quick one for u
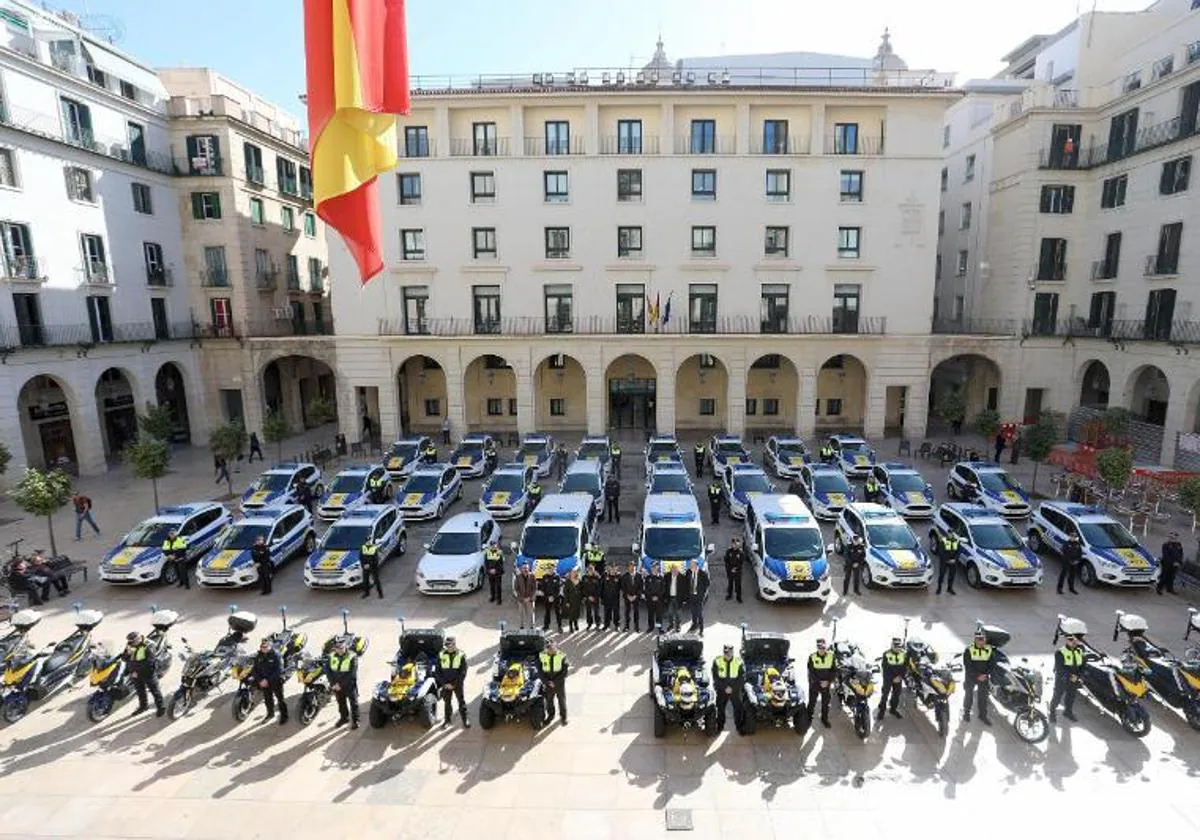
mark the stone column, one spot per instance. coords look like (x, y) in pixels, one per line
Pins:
(916, 412)
(526, 408)
(456, 405)
(89, 436)
(664, 400)
(1176, 415)
(597, 396)
(736, 396)
(876, 409)
(806, 407)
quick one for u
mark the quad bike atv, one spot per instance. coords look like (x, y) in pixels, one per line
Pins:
(679, 685)
(1174, 681)
(311, 671)
(515, 689)
(112, 675)
(411, 691)
(32, 676)
(205, 670)
(289, 644)
(929, 682)
(773, 696)
(1117, 686)
(853, 682)
(1018, 688)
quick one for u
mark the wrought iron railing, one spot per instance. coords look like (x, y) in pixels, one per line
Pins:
(610, 325)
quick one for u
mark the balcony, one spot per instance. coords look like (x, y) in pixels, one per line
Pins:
(722, 144)
(560, 324)
(1193, 52)
(1101, 270)
(160, 277)
(1162, 265)
(418, 149)
(1175, 332)
(1052, 272)
(541, 147)
(15, 336)
(51, 127)
(266, 279)
(316, 285)
(976, 326)
(483, 326)
(286, 328)
(204, 165)
(604, 325)
(1098, 154)
(94, 273)
(26, 269)
(835, 145)
(786, 146)
(644, 145)
(215, 278)
(469, 147)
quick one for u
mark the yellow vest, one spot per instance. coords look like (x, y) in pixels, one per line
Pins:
(895, 657)
(728, 668)
(340, 664)
(1072, 657)
(822, 661)
(448, 660)
(980, 654)
(552, 664)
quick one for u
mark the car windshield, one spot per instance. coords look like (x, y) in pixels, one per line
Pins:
(403, 450)
(730, 447)
(672, 543)
(1107, 535)
(906, 483)
(581, 483)
(794, 543)
(830, 483)
(244, 534)
(790, 450)
(421, 484)
(555, 541)
(998, 482)
(347, 484)
(669, 483)
(751, 483)
(506, 483)
(149, 534)
(273, 482)
(891, 536)
(593, 449)
(473, 448)
(855, 446)
(662, 448)
(450, 542)
(345, 537)
(534, 450)
(996, 536)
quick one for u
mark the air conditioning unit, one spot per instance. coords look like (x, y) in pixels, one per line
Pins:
(620, 78)
(725, 77)
(558, 360)
(281, 313)
(549, 79)
(571, 79)
(676, 77)
(537, 78)
(605, 78)
(583, 79)
(641, 78)
(712, 78)
(691, 78)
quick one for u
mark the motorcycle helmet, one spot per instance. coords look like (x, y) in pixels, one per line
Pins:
(687, 694)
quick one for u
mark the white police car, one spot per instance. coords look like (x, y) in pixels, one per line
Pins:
(724, 449)
(787, 549)
(403, 455)
(138, 557)
(991, 551)
(894, 554)
(585, 477)
(825, 490)
(672, 535)
(742, 483)
(277, 486)
(350, 489)
(595, 448)
(661, 449)
(288, 530)
(904, 490)
(555, 534)
(852, 454)
(469, 456)
(988, 486)
(337, 564)
(784, 456)
(670, 478)
(429, 490)
(453, 561)
(537, 449)
(1111, 554)
(505, 494)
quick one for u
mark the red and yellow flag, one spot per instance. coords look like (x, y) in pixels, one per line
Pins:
(357, 61)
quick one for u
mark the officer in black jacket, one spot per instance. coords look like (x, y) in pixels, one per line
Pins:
(631, 594)
(551, 588)
(654, 588)
(612, 498)
(450, 676)
(856, 556)
(698, 454)
(697, 593)
(1071, 556)
(589, 588)
(304, 495)
(493, 565)
(893, 663)
(261, 555)
(369, 558)
(267, 674)
(716, 494)
(735, 560)
(552, 668)
(820, 678)
(947, 548)
(341, 669)
(1068, 664)
(610, 597)
(141, 668)
(1172, 559)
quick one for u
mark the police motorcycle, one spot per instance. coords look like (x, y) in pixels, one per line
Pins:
(205, 670)
(32, 676)
(112, 673)
(515, 689)
(854, 682)
(773, 697)
(1117, 686)
(1174, 681)
(311, 671)
(411, 691)
(1018, 688)
(679, 685)
(928, 680)
(22, 622)
(289, 644)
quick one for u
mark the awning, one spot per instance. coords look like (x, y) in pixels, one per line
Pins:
(123, 68)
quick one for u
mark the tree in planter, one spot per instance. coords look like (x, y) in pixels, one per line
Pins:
(5, 458)
(227, 441)
(1115, 465)
(275, 430)
(1189, 494)
(1115, 423)
(1038, 441)
(987, 423)
(42, 493)
(158, 422)
(321, 411)
(951, 408)
(149, 458)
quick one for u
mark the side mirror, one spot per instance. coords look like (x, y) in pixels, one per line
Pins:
(829, 549)
(635, 548)
(710, 548)
(425, 546)
(512, 546)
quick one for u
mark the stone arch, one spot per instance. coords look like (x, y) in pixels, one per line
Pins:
(170, 390)
(49, 411)
(1095, 383)
(974, 376)
(1148, 394)
(423, 394)
(631, 387)
(490, 394)
(560, 393)
(772, 392)
(702, 393)
(842, 386)
(291, 382)
(116, 406)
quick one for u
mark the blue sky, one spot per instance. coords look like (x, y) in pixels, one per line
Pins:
(259, 43)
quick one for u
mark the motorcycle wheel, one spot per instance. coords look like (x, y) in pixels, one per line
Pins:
(537, 714)
(428, 713)
(308, 708)
(181, 702)
(862, 721)
(15, 706)
(1031, 725)
(660, 723)
(99, 706)
(941, 714)
(749, 723)
(377, 716)
(801, 721)
(487, 716)
(710, 722)
(242, 704)
(1192, 712)
(1135, 720)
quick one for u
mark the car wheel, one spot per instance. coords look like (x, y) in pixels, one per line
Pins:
(864, 575)
(441, 509)
(1035, 541)
(839, 547)
(402, 544)
(487, 716)
(377, 717)
(310, 543)
(974, 579)
(479, 580)
(660, 723)
(952, 491)
(458, 495)
(1087, 574)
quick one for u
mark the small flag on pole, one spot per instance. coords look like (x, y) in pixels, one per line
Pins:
(667, 309)
(654, 311)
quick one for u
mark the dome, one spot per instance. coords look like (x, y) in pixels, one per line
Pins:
(660, 62)
(885, 58)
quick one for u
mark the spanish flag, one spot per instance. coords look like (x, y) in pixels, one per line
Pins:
(357, 62)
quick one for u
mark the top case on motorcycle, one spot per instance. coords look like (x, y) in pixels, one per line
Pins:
(163, 620)
(997, 637)
(242, 621)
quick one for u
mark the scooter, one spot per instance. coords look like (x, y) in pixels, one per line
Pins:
(311, 671)
(288, 644)
(205, 670)
(854, 682)
(1018, 688)
(1173, 681)
(22, 622)
(928, 681)
(112, 674)
(31, 676)
(1115, 686)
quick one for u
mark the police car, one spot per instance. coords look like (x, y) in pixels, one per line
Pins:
(585, 477)
(595, 448)
(429, 490)
(904, 490)
(138, 557)
(669, 477)
(538, 450)
(742, 483)
(453, 561)
(786, 548)
(349, 489)
(1111, 554)
(505, 494)
(988, 486)
(288, 530)
(991, 551)
(336, 563)
(894, 554)
(555, 534)
(784, 456)
(277, 486)
(825, 490)
(469, 458)
(852, 454)
(403, 455)
(660, 449)
(672, 534)
(724, 449)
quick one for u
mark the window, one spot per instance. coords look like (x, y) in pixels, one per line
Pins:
(1113, 193)
(306, 183)
(258, 214)
(135, 133)
(1058, 198)
(969, 173)
(1045, 313)
(1111, 263)
(1166, 260)
(960, 269)
(409, 187)
(158, 317)
(215, 271)
(495, 407)
(95, 264)
(964, 216)
(483, 135)
(629, 242)
(293, 272)
(77, 123)
(1164, 66)
(773, 307)
(558, 407)
(1122, 134)
(851, 181)
(287, 219)
(555, 186)
(941, 222)
(845, 138)
(558, 299)
(702, 308)
(704, 137)
(779, 184)
(937, 271)
(220, 311)
(156, 270)
(96, 76)
(433, 407)
(264, 272)
(79, 184)
(1160, 312)
(708, 407)
(629, 137)
(1064, 145)
(945, 137)
(416, 141)
(203, 154)
(846, 299)
(285, 171)
(631, 308)
(8, 168)
(770, 407)
(206, 205)
(486, 309)
(99, 318)
(704, 184)
(849, 243)
(252, 156)
(141, 199)
(315, 275)
(1100, 314)
(629, 185)
(775, 137)
(558, 243)
(483, 242)
(704, 241)
(776, 243)
(412, 244)
(1175, 174)
(483, 187)
(29, 318)
(416, 303)
(128, 91)
(19, 261)
(833, 408)
(945, 178)
(959, 307)
(558, 137)
(310, 225)
(1052, 261)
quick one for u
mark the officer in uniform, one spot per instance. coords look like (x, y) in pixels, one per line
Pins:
(610, 596)
(451, 672)
(553, 667)
(947, 547)
(697, 582)
(631, 594)
(1072, 556)
(369, 557)
(977, 664)
(716, 494)
(493, 564)
(267, 674)
(1068, 663)
(589, 588)
(871, 488)
(593, 557)
(174, 548)
(729, 679)
(560, 460)
(655, 589)
(551, 586)
(698, 454)
(490, 456)
(342, 671)
(429, 453)
(1172, 559)
(894, 660)
(614, 453)
(826, 453)
(377, 488)
(820, 678)
(856, 555)
(304, 495)
(535, 494)
(612, 498)
(260, 555)
(735, 559)
(141, 667)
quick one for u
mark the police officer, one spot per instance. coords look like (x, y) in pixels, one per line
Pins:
(535, 494)
(174, 548)
(593, 556)
(729, 679)
(261, 556)
(1172, 559)
(893, 661)
(1072, 556)
(304, 494)
(589, 588)
(341, 668)
(493, 564)
(267, 674)
(977, 664)
(551, 586)
(820, 678)
(451, 672)
(490, 455)
(654, 588)
(429, 453)
(610, 597)
(612, 498)
(614, 454)
(856, 555)
(553, 667)
(716, 494)
(698, 455)
(631, 594)
(826, 453)
(735, 559)
(141, 668)
(947, 547)
(560, 460)
(871, 488)
(369, 557)
(1068, 664)
(377, 487)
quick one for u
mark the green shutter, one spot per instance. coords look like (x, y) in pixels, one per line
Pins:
(216, 205)
(197, 206)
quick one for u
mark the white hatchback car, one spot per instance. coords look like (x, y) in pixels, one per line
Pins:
(453, 561)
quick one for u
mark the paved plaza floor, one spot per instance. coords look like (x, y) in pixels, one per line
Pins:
(605, 775)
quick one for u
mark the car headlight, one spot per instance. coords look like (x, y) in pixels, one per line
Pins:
(469, 573)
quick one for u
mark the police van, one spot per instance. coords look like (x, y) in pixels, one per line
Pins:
(555, 534)
(672, 534)
(786, 548)
(585, 477)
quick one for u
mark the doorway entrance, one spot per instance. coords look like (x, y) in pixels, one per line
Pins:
(631, 403)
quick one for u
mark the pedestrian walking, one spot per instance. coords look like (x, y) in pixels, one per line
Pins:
(716, 494)
(369, 558)
(1172, 559)
(552, 668)
(366, 427)
(589, 589)
(572, 600)
(222, 470)
(612, 498)
(341, 669)
(999, 445)
(551, 587)
(856, 556)
(525, 588)
(174, 549)
(947, 548)
(255, 448)
(451, 677)
(610, 597)
(697, 593)
(493, 565)
(260, 554)
(1071, 556)
(631, 595)
(141, 668)
(304, 494)
(445, 431)
(267, 675)
(735, 560)
(83, 513)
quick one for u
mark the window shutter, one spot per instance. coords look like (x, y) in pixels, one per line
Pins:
(197, 206)
(1045, 206)
(1068, 199)
(1165, 181)
(216, 198)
